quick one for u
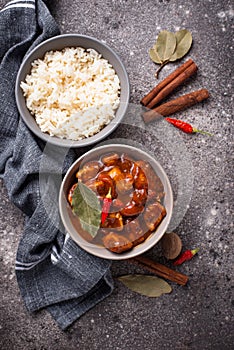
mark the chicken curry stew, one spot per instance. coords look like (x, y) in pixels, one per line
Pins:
(129, 197)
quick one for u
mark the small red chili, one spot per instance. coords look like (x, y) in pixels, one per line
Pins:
(185, 127)
(106, 206)
(187, 255)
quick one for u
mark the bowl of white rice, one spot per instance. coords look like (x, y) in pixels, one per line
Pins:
(72, 90)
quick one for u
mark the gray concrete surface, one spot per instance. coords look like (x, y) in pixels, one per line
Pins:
(200, 315)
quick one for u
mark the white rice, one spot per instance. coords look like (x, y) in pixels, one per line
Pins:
(72, 93)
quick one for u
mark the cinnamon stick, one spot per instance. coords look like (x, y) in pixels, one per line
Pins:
(161, 270)
(176, 105)
(145, 100)
(180, 79)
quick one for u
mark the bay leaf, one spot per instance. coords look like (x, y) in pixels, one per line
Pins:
(150, 286)
(183, 43)
(165, 45)
(86, 206)
(154, 56)
(89, 196)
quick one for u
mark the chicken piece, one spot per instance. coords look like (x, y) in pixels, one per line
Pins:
(135, 232)
(140, 181)
(107, 183)
(114, 221)
(124, 183)
(97, 186)
(135, 170)
(153, 215)
(132, 209)
(121, 201)
(143, 165)
(140, 196)
(115, 172)
(116, 243)
(117, 204)
(88, 171)
(110, 159)
(70, 193)
(153, 196)
(126, 164)
(154, 182)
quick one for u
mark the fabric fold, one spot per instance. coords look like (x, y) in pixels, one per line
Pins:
(52, 271)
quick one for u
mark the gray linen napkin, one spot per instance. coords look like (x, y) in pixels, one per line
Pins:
(52, 271)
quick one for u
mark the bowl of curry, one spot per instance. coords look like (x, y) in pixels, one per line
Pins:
(116, 201)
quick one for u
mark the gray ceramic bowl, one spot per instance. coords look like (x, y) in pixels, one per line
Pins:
(68, 218)
(58, 43)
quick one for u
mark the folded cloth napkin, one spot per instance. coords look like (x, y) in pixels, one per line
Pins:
(52, 271)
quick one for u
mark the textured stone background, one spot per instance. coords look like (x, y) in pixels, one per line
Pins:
(200, 315)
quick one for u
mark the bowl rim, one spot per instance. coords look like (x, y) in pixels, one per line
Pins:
(106, 131)
(134, 252)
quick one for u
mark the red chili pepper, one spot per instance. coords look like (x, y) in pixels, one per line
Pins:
(187, 255)
(106, 206)
(185, 127)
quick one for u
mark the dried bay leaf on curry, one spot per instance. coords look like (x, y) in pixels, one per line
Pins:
(86, 206)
